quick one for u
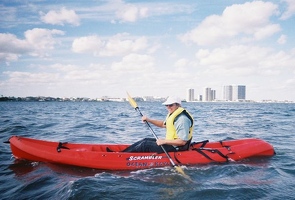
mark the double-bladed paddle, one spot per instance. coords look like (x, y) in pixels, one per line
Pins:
(178, 168)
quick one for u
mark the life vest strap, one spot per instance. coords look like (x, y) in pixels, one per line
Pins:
(188, 116)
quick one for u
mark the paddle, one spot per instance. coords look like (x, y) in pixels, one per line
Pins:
(178, 168)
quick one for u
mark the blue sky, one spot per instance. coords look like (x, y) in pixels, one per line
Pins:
(148, 48)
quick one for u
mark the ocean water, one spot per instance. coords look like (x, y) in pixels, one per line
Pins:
(117, 122)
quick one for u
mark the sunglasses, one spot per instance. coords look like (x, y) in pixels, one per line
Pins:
(170, 105)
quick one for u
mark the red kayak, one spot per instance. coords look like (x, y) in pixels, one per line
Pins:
(96, 156)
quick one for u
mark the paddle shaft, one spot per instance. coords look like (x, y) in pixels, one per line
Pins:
(149, 126)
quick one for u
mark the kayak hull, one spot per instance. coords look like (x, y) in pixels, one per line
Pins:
(96, 156)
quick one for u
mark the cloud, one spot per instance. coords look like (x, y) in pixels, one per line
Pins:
(61, 17)
(236, 20)
(27, 78)
(290, 9)
(131, 13)
(181, 62)
(41, 39)
(242, 60)
(11, 47)
(88, 44)
(282, 39)
(116, 45)
(37, 42)
(134, 63)
(127, 12)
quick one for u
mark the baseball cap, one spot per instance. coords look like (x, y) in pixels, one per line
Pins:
(171, 100)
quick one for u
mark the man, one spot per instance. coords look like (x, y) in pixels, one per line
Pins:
(179, 130)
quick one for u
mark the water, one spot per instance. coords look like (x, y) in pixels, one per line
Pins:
(110, 122)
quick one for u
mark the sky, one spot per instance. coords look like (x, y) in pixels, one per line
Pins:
(96, 48)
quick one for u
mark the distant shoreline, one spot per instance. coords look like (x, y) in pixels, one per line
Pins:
(83, 99)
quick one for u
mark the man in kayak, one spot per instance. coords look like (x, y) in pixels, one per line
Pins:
(179, 130)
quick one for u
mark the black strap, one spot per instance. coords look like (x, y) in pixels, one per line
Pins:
(201, 151)
(226, 146)
(60, 146)
(203, 143)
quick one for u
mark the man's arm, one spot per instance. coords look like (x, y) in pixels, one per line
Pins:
(176, 142)
(155, 122)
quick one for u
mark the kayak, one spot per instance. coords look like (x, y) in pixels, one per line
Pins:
(98, 156)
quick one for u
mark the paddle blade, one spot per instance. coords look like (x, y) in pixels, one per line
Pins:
(182, 173)
(131, 101)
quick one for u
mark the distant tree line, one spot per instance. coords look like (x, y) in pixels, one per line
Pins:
(43, 99)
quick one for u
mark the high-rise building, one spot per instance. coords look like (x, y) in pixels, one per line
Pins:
(200, 98)
(228, 93)
(239, 93)
(209, 95)
(234, 93)
(190, 96)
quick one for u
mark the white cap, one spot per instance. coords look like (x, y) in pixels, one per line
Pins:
(171, 100)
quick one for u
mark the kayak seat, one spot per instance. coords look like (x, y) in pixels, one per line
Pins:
(185, 147)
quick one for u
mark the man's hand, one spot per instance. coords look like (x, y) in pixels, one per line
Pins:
(144, 118)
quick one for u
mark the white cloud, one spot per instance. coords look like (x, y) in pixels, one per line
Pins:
(183, 66)
(11, 47)
(116, 45)
(290, 9)
(9, 43)
(88, 44)
(266, 31)
(241, 60)
(236, 20)
(115, 11)
(78, 74)
(181, 62)
(63, 68)
(18, 78)
(134, 63)
(8, 57)
(37, 42)
(131, 13)
(282, 39)
(40, 40)
(61, 17)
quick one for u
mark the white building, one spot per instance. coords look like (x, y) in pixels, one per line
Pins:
(210, 95)
(228, 93)
(190, 96)
(234, 93)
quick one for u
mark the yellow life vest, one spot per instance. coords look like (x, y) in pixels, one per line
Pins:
(170, 128)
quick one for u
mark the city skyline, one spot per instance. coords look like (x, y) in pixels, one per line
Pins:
(149, 48)
(230, 93)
